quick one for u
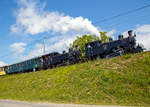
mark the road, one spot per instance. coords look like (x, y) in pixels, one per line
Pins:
(9, 103)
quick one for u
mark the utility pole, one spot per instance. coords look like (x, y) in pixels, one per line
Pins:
(44, 44)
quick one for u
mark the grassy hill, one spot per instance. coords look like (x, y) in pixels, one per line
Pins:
(118, 81)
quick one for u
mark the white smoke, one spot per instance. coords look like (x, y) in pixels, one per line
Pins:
(32, 19)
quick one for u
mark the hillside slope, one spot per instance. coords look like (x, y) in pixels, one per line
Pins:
(118, 81)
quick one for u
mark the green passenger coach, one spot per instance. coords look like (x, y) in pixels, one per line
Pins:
(25, 66)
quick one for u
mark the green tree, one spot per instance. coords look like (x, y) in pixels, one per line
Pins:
(104, 37)
(81, 41)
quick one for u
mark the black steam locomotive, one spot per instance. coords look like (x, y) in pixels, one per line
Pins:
(56, 59)
(97, 49)
(94, 50)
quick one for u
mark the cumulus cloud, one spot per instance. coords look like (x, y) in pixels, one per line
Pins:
(31, 18)
(54, 44)
(18, 48)
(2, 64)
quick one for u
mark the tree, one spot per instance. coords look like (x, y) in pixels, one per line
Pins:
(104, 37)
(81, 41)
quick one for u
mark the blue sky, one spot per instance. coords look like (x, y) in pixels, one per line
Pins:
(24, 22)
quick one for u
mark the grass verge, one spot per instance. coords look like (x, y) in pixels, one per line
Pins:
(122, 80)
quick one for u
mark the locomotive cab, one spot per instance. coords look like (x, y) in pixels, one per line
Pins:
(91, 48)
(93, 44)
(110, 39)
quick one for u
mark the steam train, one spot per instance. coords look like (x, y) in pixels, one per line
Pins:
(97, 49)
(94, 50)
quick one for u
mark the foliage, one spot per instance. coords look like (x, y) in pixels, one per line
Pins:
(104, 37)
(116, 81)
(81, 41)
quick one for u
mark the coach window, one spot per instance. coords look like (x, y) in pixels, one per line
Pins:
(27, 62)
(23, 64)
(19, 65)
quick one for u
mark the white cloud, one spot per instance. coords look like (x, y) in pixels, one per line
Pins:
(60, 44)
(32, 19)
(111, 33)
(2, 64)
(143, 28)
(57, 44)
(18, 48)
(142, 35)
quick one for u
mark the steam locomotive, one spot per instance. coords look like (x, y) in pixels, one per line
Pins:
(97, 49)
(94, 50)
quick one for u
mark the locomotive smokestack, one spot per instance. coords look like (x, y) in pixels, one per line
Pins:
(130, 33)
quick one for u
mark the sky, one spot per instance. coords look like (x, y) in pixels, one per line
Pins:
(24, 24)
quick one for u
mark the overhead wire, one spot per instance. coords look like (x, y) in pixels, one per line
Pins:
(122, 14)
(119, 23)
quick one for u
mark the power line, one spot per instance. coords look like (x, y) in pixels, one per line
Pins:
(122, 14)
(119, 23)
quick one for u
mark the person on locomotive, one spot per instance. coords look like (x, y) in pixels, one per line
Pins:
(77, 48)
(77, 54)
(132, 40)
(70, 54)
(110, 39)
(89, 48)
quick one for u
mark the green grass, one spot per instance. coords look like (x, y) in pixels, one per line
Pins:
(118, 81)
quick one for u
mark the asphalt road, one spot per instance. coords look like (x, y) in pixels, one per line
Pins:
(9, 103)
